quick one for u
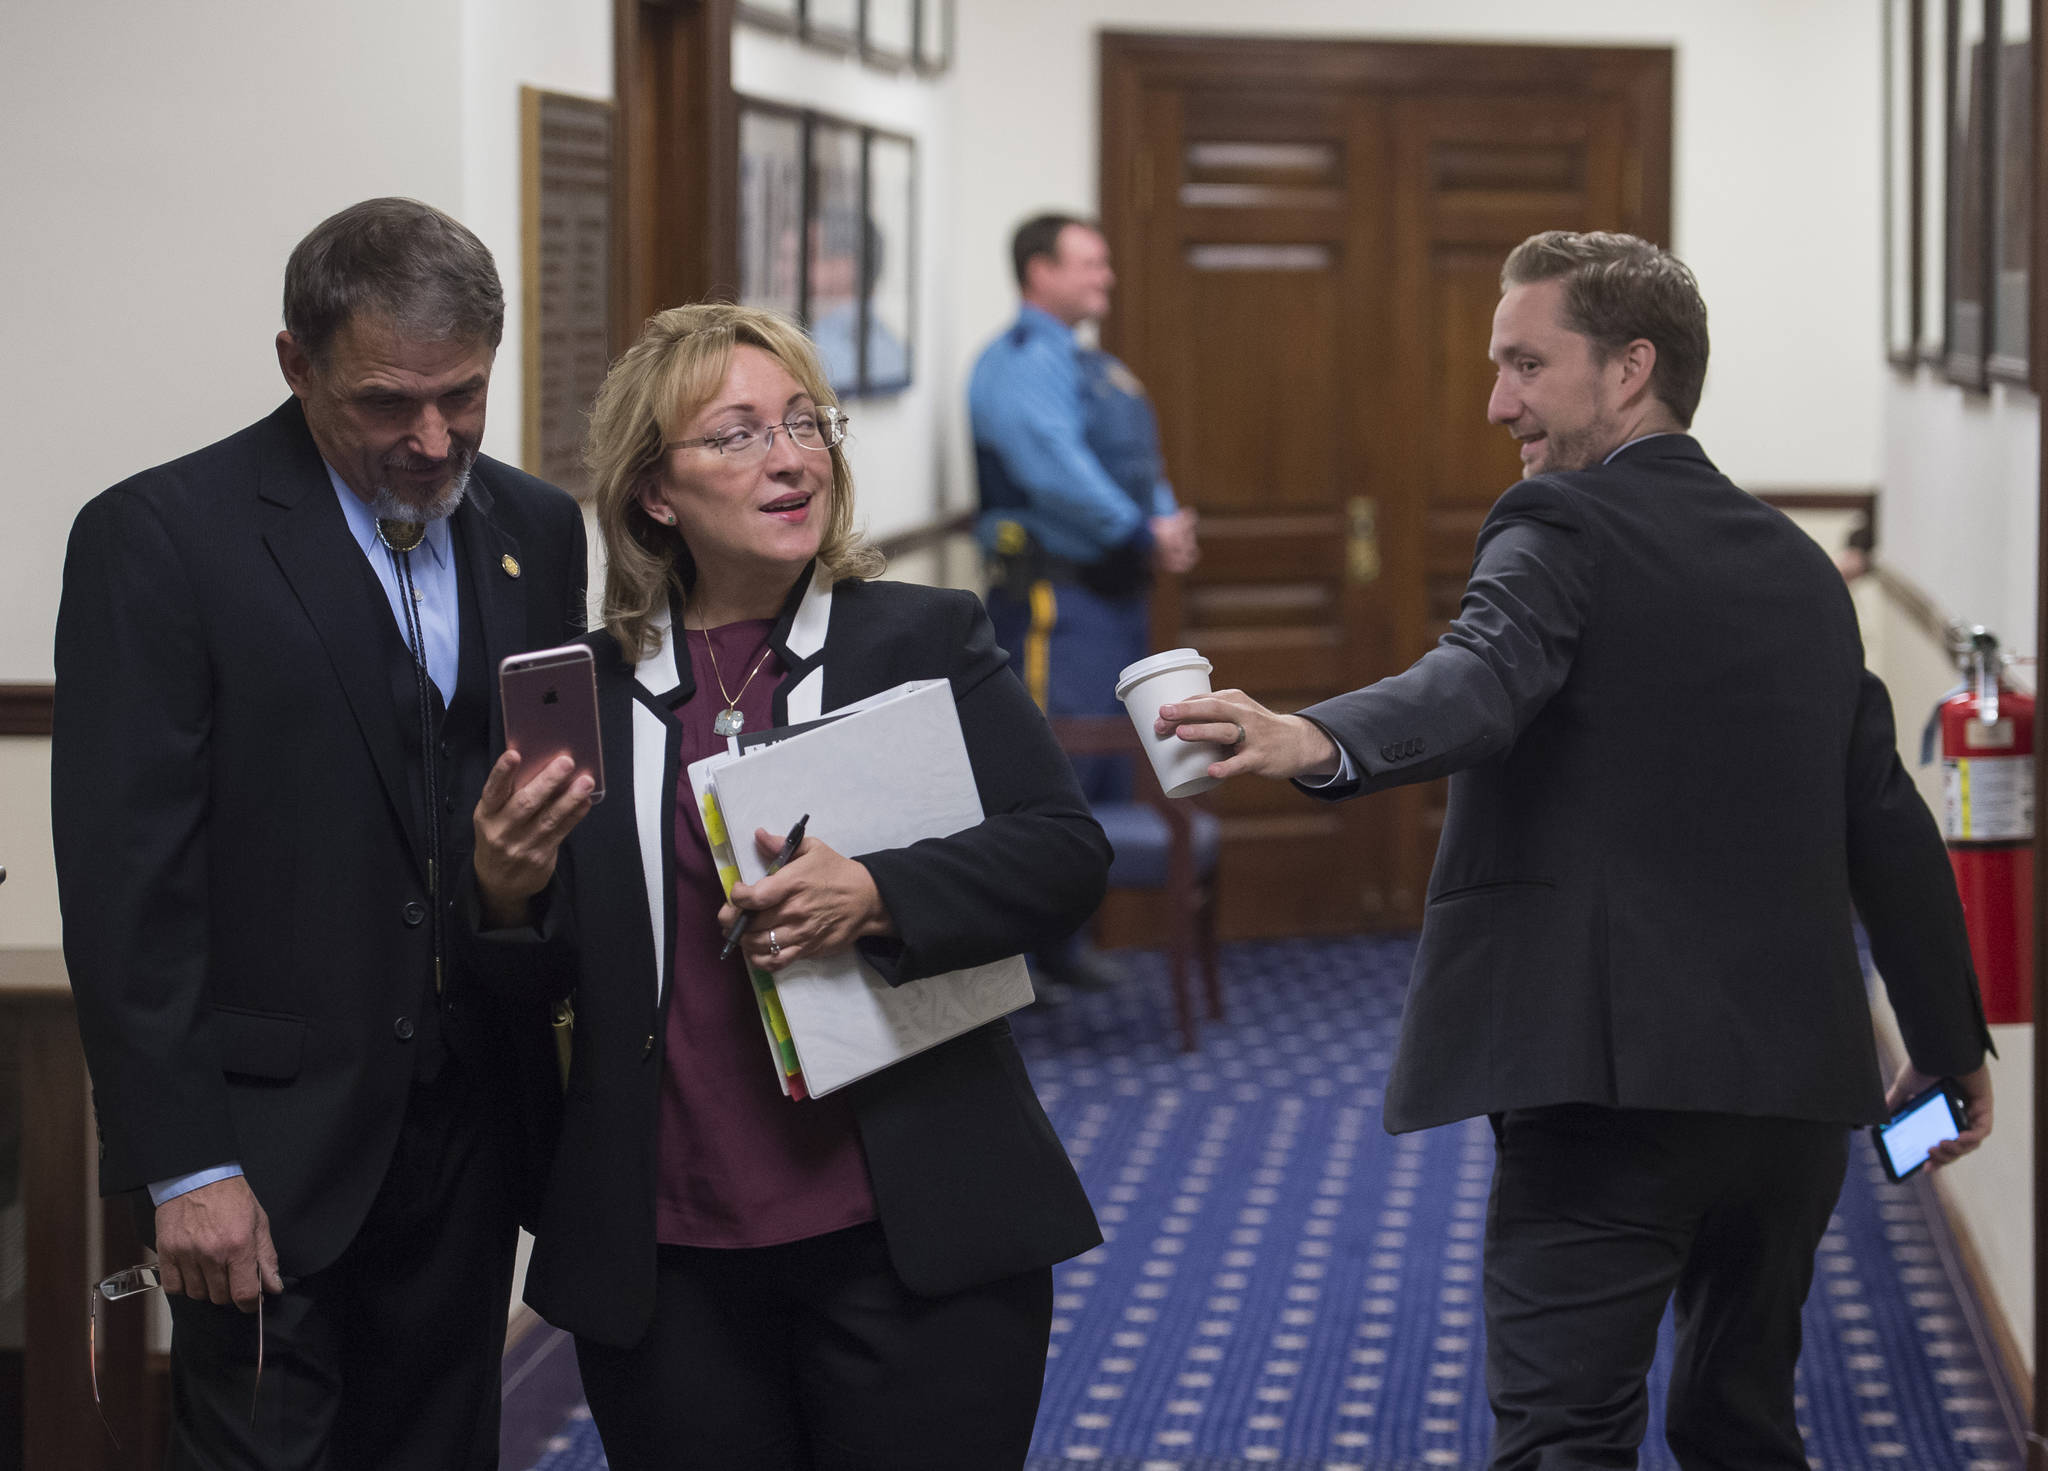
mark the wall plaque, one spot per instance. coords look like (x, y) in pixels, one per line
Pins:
(565, 183)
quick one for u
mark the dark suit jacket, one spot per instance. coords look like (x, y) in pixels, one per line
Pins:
(1673, 782)
(239, 859)
(970, 1181)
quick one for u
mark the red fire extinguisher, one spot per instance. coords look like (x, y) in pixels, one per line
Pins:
(1987, 769)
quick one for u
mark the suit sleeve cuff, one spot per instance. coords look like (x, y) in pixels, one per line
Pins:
(1344, 775)
(177, 1185)
(1340, 784)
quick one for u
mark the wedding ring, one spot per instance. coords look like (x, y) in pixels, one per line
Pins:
(1240, 733)
(773, 948)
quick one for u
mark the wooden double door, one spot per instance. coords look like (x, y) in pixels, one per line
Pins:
(1308, 238)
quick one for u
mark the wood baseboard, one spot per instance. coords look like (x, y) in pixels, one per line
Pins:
(25, 709)
(1997, 1344)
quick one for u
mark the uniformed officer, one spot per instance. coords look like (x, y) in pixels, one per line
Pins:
(1076, 511)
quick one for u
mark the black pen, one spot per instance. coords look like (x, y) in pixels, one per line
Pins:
(789, 847)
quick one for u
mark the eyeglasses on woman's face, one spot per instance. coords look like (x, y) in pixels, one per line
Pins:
(812, 429)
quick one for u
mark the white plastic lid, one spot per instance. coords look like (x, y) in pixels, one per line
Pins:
(1136, 674)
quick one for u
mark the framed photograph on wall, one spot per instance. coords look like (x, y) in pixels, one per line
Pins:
(1970, 85)
(934, 35)
(832, 23)
(2012, 195)
(827, 225)
(889, 267)
(835, 246)
(888, 31)
(771, 214)
(1902, 182)
(1934, 180)
(774, 15)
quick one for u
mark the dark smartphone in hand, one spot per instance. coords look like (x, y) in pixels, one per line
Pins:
(1906, 1138)
(550, 701)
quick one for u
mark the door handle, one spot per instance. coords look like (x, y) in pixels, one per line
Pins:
(1362, 543)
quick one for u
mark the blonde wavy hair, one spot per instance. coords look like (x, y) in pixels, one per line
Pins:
(658, 385)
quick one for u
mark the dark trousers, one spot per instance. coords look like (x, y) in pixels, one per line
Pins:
(387, 1359)
(1067, 644)
(1601, 1216)
(813, 1356)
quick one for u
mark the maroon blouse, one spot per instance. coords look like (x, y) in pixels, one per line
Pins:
(739, 1164)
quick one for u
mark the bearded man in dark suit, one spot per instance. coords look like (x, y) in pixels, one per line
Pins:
(1673, 783)
(275, 709)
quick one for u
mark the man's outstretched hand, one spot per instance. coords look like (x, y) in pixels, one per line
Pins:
(1260, 742)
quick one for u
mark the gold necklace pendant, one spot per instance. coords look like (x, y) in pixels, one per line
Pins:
(729, 721)
(401, 536)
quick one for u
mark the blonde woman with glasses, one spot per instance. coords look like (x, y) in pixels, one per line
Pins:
(856, 1281)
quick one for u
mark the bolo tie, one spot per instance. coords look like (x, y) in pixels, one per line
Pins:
(401, 539)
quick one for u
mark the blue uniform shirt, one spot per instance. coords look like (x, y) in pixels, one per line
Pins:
(1028, 406)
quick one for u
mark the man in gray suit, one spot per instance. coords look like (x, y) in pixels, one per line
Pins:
(1673, 783)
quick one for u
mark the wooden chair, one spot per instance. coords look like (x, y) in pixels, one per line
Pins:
(1160, 844)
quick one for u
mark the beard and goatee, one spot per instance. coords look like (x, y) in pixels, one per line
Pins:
(388, 505)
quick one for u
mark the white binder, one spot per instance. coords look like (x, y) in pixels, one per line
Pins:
(891, 771)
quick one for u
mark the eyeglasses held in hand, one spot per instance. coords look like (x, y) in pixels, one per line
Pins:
(129, 1282)
(814, 429)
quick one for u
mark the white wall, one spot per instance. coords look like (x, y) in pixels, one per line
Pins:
(156, 190)
(161, 161)
(1959, 512)
(559, 45)
(898, 443)
(1989, 1196)
(1776, 180)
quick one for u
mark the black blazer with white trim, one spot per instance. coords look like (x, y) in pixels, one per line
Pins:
(971, 1184)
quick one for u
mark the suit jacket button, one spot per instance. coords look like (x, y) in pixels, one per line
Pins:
(414, 913)
(402, 1029)
(647, 1047)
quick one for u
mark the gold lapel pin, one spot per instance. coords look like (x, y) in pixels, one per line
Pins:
(510, 563)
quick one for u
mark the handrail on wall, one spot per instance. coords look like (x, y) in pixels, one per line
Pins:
(930, 534)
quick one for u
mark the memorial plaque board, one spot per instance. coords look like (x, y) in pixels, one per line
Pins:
(566, 181)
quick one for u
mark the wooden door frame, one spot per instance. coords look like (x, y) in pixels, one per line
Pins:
(675, 165)
(1643, 74)
(1129, 178)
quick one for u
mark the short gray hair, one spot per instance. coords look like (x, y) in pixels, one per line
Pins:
(395, 258)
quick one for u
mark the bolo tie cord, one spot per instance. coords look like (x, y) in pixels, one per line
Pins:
(415, 641)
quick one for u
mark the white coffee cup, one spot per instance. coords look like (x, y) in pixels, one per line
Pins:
(1177, 674)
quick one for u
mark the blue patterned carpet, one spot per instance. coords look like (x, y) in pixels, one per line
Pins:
(1284, 1286)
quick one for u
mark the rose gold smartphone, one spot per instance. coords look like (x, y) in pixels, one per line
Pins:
(550, 702)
